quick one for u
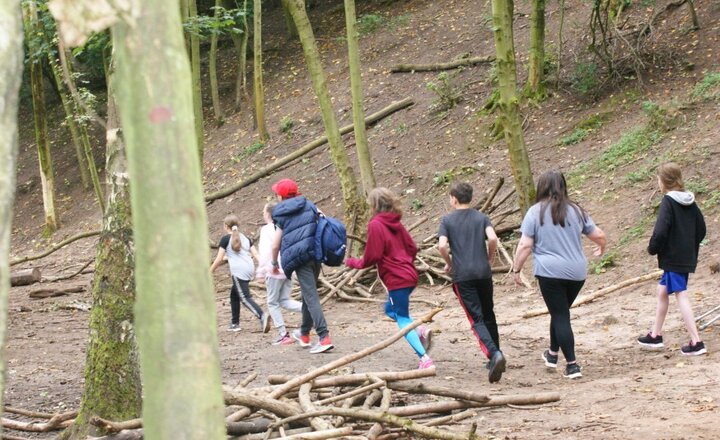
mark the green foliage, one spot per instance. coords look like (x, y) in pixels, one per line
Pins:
(585, 127)
(286, 124)
(369, 23)
(249, 151)
(713, 200)
(443, 178)
(222, 22)
(601, 265)
(708, 88)
(636, 231)
(663, 117)
(402, 128)
(447, 94)
(697, 186)
(585, 78)
(416, 204)
(628, 148)
(92, 55)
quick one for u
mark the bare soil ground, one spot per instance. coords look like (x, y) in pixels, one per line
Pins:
(626, 392)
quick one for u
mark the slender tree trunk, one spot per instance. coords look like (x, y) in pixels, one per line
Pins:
(112, 374)
(11, 54)
(535, 86)
(175, 307)
(560, 42)
(502, 11)
(70, 121)
(354, 203)
(361, 144)
(196, 86)
(257, 71)
(217, 106)
(241, 44)
(41, 131)
(289, 23)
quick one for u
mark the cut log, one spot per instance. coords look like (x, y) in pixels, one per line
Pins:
(370, 119)
(401, 68)
(110, 426)
(55, 248)
(25, 277)
(602, 292)
(359, 378)
(50, 293)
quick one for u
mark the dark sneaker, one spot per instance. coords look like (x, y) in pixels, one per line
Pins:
(693, 350)
(265, 322)
(550, 359)
(322, 346)
(496, 367)
(303, 340)
(425, 335)
(650, 341)
(234, 328)
(572, 371)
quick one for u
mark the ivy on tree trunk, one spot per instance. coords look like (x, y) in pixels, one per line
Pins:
(175, 304)
(11, 54)
(502, 11)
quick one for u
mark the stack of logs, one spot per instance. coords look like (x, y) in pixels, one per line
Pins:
(324, 404)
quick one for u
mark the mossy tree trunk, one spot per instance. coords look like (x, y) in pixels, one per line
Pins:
(502, 11)
(241, 45)
(258, 88)
(32, 30)
(112, 373)
(11, 54)
(289, 23)
(355, 206)
(196, 85)
(175, 304)
(217, 106)
(361, 143)
(535, 86)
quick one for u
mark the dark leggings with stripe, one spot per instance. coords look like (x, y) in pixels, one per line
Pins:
(559, 295)
(240, 293)
(476, 298)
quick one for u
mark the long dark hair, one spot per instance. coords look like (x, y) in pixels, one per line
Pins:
(552, 192)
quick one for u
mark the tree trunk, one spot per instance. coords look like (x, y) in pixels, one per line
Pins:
(241, 43)
(258, 88)
(11, 52)
(502, 11)
(535, 86)
(361, 144)
(112, 375)
(196, 86)
(41, 131)
(217, 107)
(354, 203)
(175, 306)
(289, 23)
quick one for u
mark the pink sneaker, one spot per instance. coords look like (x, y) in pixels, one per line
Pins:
(425, 335)
(425, 363)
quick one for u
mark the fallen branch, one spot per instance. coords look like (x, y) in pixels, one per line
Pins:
(451, 418)
(602, 292)
(441, 66)
(55, 248)
(27, 413)
(353, 393)
(25, 277)
(488, 201)
(392, 108)
(72, 275)
(264, 436)
(135, 434)
(359, 378)
(421, 388)
(50, 293)
(56, 422)
(110, 426)
(450, 405)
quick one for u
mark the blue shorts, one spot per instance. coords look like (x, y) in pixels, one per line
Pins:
(674, 281)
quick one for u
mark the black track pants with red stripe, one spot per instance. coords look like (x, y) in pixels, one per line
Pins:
(476, 298)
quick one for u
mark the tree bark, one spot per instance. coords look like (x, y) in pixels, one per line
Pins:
(217, 106)
(535, 86)
(354, 203)
(11, 52)
(112, 374)
(175, 307)
(502, 11)
(196, 85)
(392, 108)
(41, 131)
(361, 143)
(258, 88)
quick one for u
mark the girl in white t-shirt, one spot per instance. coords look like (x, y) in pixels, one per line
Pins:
(278, 286)
(239, 252)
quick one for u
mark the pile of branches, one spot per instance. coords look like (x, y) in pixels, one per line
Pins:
(364, 285)
(323, 405)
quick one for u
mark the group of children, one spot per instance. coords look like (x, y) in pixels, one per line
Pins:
(552, 231)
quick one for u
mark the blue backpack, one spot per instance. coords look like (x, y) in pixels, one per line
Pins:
(330, 241)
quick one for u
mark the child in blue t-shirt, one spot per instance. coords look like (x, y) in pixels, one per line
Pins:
(679, 229)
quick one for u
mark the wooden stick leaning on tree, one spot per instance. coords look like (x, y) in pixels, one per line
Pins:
(370, 119)
(602, 292)
(55, 248)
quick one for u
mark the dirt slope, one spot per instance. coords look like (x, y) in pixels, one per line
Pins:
(625, 392)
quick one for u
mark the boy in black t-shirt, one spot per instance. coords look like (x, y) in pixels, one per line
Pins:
(464, 232)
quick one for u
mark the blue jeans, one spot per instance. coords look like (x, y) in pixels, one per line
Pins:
(397, 307)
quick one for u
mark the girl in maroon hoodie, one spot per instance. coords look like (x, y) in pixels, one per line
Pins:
(392, 249)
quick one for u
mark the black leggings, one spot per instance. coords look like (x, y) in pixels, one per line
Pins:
(240, 292)
(559, 295)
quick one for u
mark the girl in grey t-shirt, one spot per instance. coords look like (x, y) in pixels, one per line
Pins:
(552, 230)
